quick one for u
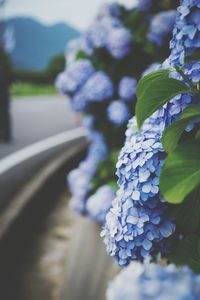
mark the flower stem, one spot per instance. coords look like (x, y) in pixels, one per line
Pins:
(178, 69)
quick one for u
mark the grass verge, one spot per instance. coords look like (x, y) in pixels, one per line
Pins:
(29, 89)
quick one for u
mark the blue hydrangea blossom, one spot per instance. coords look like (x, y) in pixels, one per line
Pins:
(98, 150)
(154, 282)
(88, 124)
(185, 41)
(186, 33)
(97, 35)
(118, 112)
(186, 36)
(79, 180)
(109, 10)
(127, 88)
(99, 87)
(61, 83)
(99, 203)
(144, 5)
(77, 74)
(119, 42)
(76, 45)
(161, 25)
(138, 223)
(79, 183)
(79, 102)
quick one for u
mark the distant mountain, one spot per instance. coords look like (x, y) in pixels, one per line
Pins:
(36, 44)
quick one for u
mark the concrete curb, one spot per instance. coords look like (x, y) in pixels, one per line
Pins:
(18, 202)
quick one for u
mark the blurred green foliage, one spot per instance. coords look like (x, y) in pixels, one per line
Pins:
(45, 77)
(106, 171)
(30, 89)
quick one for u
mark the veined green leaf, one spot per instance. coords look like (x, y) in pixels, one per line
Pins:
(154, 90)
(188, 213)
(181, 172)
(187, 252)
(173, 133)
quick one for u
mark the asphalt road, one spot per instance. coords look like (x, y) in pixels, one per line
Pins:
(88, 268)
(36, 118)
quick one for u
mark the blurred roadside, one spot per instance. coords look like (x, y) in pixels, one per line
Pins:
(35, 118)
(31, 56)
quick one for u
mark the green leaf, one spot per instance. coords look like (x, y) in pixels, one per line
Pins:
(150, 78)
(113, 184)
(154, 90)
(181, 172)
(173, 133)
(188, 213)
(187, 252)
(81, 55)
(197, 135)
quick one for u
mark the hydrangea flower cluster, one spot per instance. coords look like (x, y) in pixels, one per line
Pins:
(108, 32)
(79, 102)
(186, 36)
(97, 73)
(154, 282)
(74, 46)
(118, 112)
(108, 10)
(131, 232)
(138, 223)
(80, 80)
(99, 87)
(97, 36)
(119, 42)
(186, 33)
(99, 203)
(127, 88)
(84, 85)
(77, 74)
(88, 124)
(61, 83)
(98, 149)
(180, 102)
(161, 25)
(79, 180)
(144, 5)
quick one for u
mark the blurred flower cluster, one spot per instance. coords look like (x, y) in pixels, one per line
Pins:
(162, 24)
(99, 203)
(154, 282)
(102, 69)
(138, 221)
(141, 224)
(185, 41)
(79, 180)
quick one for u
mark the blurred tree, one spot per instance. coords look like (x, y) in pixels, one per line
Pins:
(56, 65)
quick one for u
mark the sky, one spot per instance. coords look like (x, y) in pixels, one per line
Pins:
(78, 13)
